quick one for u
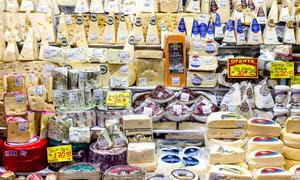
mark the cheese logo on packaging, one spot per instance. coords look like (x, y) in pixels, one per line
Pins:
(59, 154)
(196, 80)
(231, 170)
(122, 17)
(291, 24)
(94, 17)
(79, 20)
(218, 20)
(211, 28)
(210, 47)
(64, 42)
(282, 70)
(110, 20)
(190, 161)
(171, 159)
(242, 68)
(255, 26)
(266, 153)
(152, 20)
(138, 21)
(181, 26)
(265, 139)
(271, 170)
(263, 121)
(192, 151)
(239, 28)
(195, 61)
(230, 25)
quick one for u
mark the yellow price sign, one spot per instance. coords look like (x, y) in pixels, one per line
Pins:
(118, 99)
(295, 79)
(282, 70)
(59, 154)
(242, 68)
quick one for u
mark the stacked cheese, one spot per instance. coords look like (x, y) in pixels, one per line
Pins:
(264, 148)
(291, 138)
(141, 149)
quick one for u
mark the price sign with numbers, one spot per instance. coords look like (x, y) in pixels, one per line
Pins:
(282, 70)
(295, 79)
(243, 68)
(118, 99)
(59, 154)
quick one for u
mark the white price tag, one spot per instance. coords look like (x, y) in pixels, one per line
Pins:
(108, 37)
(143, 81)
(19, 98)
(18, 81)
(38, 90)
(152, 38)
(185, 97)
(206, 109)
(147, 111)
(175, 81)
(122, 36)
(22, 126)
(94, 37)
(124, 55)
(27, 4)
(177, 108)
(68, 20)
(222, 3)
(138, 38)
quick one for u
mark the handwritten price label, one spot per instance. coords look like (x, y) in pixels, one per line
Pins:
(282, 70)
(242, 68)
(118, 99)
(295, 79)
(59, 154)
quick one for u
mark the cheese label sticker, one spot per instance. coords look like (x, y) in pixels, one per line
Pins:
(118, 99)
(177, 109)
(38, 90)
(202, 29)
(171, 159)
(143, 81)
(295, 79)
(18, 81)
(239, 28)
(271, 170)
(59, 154)
(266, 153)
(265, 139)
(190, 161)
(263, 121)
(147, 111)
(175, 81)
(195, 30)
(238, 133)
(282, 70)
(181, 26)
(195, 61)
(22, 126)
(255, 27)
(19, 98)
(185, 97)
(192, 152)
(243, 68)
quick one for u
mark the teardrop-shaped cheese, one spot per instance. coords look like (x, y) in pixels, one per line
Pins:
(138, 30)
(94, 31)
(111, 6)
(82, 6)
(152, 32)
(289, 33)
(11, 5)
(122, 32)
(210, 31)
(254, 33)
(261, 15)
(229, 36)
(205, 6)
(240, 35)
(44, 6)
(27, 5)
(238, 13)
(188, 20)
(219, 33)
(96, 6)
(62, 31)
(273, 13)
(284, 13)
(129, 7)
(224, 10)
(80, 36)
(181, 26)
(195, 31)
(109, 35)
(193, 6)
(11, 52)
(163, 32)
(270, 34)
(28, 51)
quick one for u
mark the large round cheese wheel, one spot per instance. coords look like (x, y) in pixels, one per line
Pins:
(291, 139)
(290, 163)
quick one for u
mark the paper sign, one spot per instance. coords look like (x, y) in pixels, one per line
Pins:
(59, 154)
(118, 99)
(282, 70)
(243, 68)
(295, 79)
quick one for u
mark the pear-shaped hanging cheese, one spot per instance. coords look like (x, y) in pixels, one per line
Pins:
(193, 6)
(219, 33)
(254, 33)
(238, 13)
(261, 15)
(109, 35)
(289, 32)
(11, 52)
(122, 32)
(138, 30)
(229, 36)
(224, 10)
(94, 31)
(163, 32)
(188, 20)
(273, 13)
(152, 32)
(284, 13)
(270, 34)
(80, 35)
(49, 23)
(210, 31)
(11, 5)
(129, 45)
(181, 26)
(240, 35)
(44, 6)
(62, 31)
(96, 6)
(205, 7)
(195, 31)
(111, 6)
(82, 6)
(129, 7)
(27, 5)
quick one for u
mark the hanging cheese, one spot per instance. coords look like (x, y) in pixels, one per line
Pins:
(265, 158)
(94, 31)
(265, 143)
(210, 31)
(273, 13)
(11, 52)
(138, 30)
(229, 36)
(111, 6)
(163, 32)
(193, 6)
(44, 6)
(122, 30)
(181, 26)
(292, 124)
(96, 6)
(240, 34)
(270, 34)
(263, 127)
(226, 120)
(224, 10)
(284, 13)
(152, 32)
(289, 33)
(254, 34)
(272, 173)
(62, 32)
(27, 5)
(11, 5)
(82, 6)
(229, 172)
(226, 133)
(109, 35)
(219, 33)
(205, 6)
(226, 155)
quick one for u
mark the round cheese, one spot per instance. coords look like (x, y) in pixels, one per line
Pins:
(290, 163)
(265, 142)
(263, 127)
(179, 174)
(229, 172)
(265, 158)
(291, 139)
(226, 142)
(291, 153)
(272, 173)
(292, 124)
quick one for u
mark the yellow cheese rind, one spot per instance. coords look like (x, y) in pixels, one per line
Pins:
(226, 120)
(292, 124)
(37, 98)
(226, 133)
(291, 153)
(261, 128)
(291, 139)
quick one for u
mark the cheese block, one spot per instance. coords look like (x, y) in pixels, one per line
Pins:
(169, 6)
(263, 97)
(111, 6)
(229, 36)
(122, 32)
(15, 104)
(297, 33)
(37, 97)
(165, 125)
(190, 126)
(116, 70)
(294, 170)
(163, 32)
(203, 63)
(291, 153)
(226, 120)
(150, 72)
(94, 31)
(146, 6)
(229, 172)
(224, 10)
(152, 32)
(292, 124)
(109, 35)
(19, 130)
(264, 158)
(226, 154)
(201, 79)
(272, 173)
(31, 80)
(291, 139)
(238, 12)
(82, 6)
(240, 35)
(254, 34)
(44, 124)
(273, 13)
(270, 35)
(263, 127)
(117, 56)
(96, 6)
(284, 14)
(239, 143)
(140, 153)
(11, 52)
(193, 6)
(79, 135)
(226, 133)
(15, 83)
(27, 5)
(265, 143)
(138, 30)
(48, 82)
(58, 128)
(98, 55)
(148, 54)
(44, 6)
(129, 46)
(289, 33)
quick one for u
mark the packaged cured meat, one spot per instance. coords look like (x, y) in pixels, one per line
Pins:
(177, 111)
(161, 94)
(150, 108)
(202, 108)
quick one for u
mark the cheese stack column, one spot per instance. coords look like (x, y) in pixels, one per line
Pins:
(225, 135)
(291, 138)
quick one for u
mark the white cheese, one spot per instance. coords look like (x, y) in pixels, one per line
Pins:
(192, 6)
(129, 46)
(261, 15)
(138, 30)
(49, 28)
(254, 34)
(226, 155)
(240, 35)
(163, 32)
(226, 120)
(203, 63)
(111, 6)
(265, 158)
(189, 25)
(80, 35)
(229, 172)
(239, 143)
(229, 36)
(263, 127)
(225, 133)
(238, 12)
(152, 32)
(289, 33)
(94, 31)
(272, 173)
(129, 7)
(79, 135)
(219, 27)
(263, 97)
(291, 153)
(270, 34)
(292, 124)
(62, 32)
(109, 35)
(210, 31)
(265, 143)
(43, 6)
(122, 30)
(27, 5)
(273, 13)
(205, 6)
(11, 5)
(96, 6)
(146, 6)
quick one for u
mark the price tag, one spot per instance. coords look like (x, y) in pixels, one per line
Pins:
(22, 126)
(59, 154)
(147, 111)
(282, 70)
(118, 99)
(185, 97)
(295, 79)
(243, 68)
(177, 108)
(38, 90)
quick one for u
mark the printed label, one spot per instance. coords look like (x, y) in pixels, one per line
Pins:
(262, 121)
(38, 90)
(20, 98)
(147, 111)
(271, 170)
(190, 161)
(265, 139)
(18, 81)
(143, 81)
(175, 81)
(238, 133)
(22, 126)
(265, 153)
(170, 159)
(185, 97)
(177, 109)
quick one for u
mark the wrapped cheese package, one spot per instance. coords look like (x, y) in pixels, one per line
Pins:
(58, 128)
(37, 97)
(15, 104)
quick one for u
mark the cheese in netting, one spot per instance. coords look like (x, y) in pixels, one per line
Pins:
(109, 35)
(239, 143)
(226, 155)
(291, 153)
(291, 139)
(94, 31)
(292, 124)
(272, 173)
(263, 127)
(265, 158)
(152, 32)
(226, 133)
(226, 120)
(229, 172)
(265, 143)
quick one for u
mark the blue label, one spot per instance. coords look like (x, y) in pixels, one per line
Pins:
(218, 20)
(190, 161)
(202, 29)
(191, 152)
(195, 30)
(239, 27)
(171, 151)
(211, 28)
(230, 25)
(171, 159)
(255, 26)
(181, 26)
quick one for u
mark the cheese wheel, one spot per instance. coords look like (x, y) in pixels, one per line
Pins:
(229, 172)
(265, 142)
(291, 153)
(263, 127)
(292, 124)
(291, 139)
(295, 170)
(290, 163)
(226, 120)
(226, 155)
(272, 173)
(265, 158)
(226, 142)
(226, 133)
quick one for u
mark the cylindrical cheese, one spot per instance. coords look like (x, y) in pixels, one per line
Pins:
(291, 153)
(265, 158)
(291, 139)
(290, 163)
(265, 142)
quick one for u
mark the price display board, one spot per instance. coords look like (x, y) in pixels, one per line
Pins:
(243, 68)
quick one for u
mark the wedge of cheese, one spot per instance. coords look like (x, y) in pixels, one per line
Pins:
(80, 35)
(229, 36)
(201, 79)
(163, 32)
(138, 30)
(254, 34)
(96, 6)
(139, 153)
(44, 6)
(273, 13)
(27, 5)
(263, 127)
(289, 33)
(3, 85)
(272, 173)
(224, 10)
(284, 13)
(94, 31)
(30, 47)
(270, 35)
(19, 130)
(62, 31)
(15, 83)
(292, 124)
(12, 5)
(226, 120)
(122, 32)
(229, 172)
(82, 6)
(193, 6)
(265, 158)
(203, 63)
(226, 155)
(239, 143)
(213, 133)
(240, 35)
(150, 72)
(37, 97)
(265, 143)
(11, 52)
(109, 35)
(152, 32)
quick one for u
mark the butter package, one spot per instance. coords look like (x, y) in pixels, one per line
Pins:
(203, 63)
(44, 124)
(201, 79)
(15, 104)
(19, 130)
(58, 128)
(37, 97)
(89, 80)
(79, 135)
(16, 83)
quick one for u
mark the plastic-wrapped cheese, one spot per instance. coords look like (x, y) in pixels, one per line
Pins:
(229, 172)
(295, 170)
(265, 158)
(58, 128)
(79, 135)
(19, 130)
(167, 163)
(177, 111)
(226, 133)
(263, 127)
(265, 143)
(239, 143)
(37, 97)
(15, 104)
(226, 120)
(178, 174)
(226, 155)
(291, 139)
(292, 124)
(272, 173)
(150, 72)
(15, 83)
(44, 124)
